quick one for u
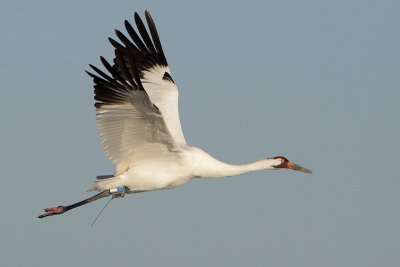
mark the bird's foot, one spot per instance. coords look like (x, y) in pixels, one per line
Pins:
(53, 211)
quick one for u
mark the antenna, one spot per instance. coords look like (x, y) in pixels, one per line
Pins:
(98, 215)
(116, 193)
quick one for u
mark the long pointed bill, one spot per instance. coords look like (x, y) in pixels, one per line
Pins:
(292, 166)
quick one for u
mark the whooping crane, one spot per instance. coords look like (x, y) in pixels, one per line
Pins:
(139, 126)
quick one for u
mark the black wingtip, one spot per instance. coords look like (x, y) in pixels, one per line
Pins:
(133, 56)
(93, 67)
(117, 45)
(126, 41)
(106, 64)
(90, 74)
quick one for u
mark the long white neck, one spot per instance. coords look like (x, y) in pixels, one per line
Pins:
(207, 166)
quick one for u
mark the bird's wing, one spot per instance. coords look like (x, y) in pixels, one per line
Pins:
(154, 72)
(137, 106)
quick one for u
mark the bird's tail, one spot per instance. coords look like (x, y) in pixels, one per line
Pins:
(106, 182)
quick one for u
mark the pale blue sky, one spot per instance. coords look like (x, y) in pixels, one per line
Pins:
(315, 81)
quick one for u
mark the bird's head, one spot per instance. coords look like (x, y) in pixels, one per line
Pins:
(282, 163)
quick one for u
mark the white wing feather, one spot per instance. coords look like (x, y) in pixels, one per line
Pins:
(126, 134)
(164, 94)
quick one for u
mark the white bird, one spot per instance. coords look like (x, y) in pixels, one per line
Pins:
(138, 121)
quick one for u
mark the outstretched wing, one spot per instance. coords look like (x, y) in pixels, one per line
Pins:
(154, 72)
(132, 126)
